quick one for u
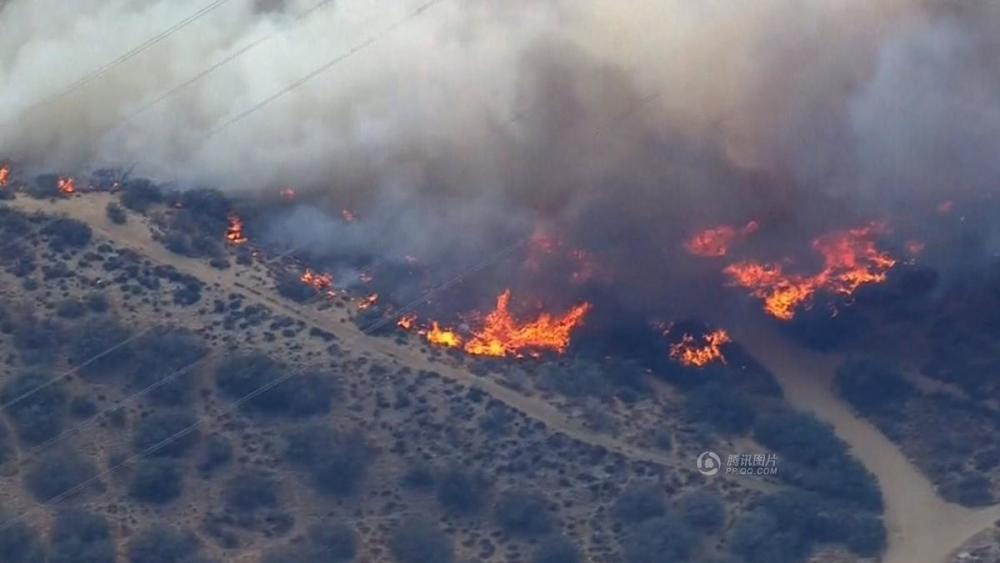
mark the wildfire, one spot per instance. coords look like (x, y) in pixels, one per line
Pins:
(850, 260)
(368, 302)
(319, 282)
(945, 207)
(348, 215)
(502, 336)
(67, 186)
(4, 174)
(234, 234)
(715, 242)
(438, 336)
(692, 354)
(287, 194)
(407, 322)
(545, 248)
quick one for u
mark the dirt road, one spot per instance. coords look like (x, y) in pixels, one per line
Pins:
(137, 236)
(923, 528)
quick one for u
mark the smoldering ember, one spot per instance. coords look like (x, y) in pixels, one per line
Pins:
(447, 281)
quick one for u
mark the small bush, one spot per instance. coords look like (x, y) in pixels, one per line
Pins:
(640, 502)
(116, 213)
(337, 462)
(165, 358)
(218, 452)
(157, 480)
(81, 537)
(164, 544)
(249, 490)
(57, 473)
(169, 433)
(462, 492)
(100, 348)
(19, 543)
(66, 233)
(302, 394)
(138, 195)
(660, 539)
(703, 510)
(872, 387)
(417, 541)
(71, 309)
(523, 513)
(36, 403)
(556, 549)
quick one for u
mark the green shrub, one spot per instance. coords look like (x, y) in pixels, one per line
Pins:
(556, 549)
(168, 433)
(640, 502)
(418, 541)
(164, 544)
(157, 480)
(523, 513)
(59, 472)
(462, 492)
(251, 489)
(81, 537)
(36, 403)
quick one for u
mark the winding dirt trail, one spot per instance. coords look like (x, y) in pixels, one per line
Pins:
(136, 236)
(922, 527)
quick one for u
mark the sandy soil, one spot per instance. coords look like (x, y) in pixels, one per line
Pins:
(922, 527)
(136, 235)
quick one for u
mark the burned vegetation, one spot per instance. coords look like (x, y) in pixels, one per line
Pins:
(178, 397)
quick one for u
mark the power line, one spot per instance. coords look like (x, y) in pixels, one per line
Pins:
(300, 18)
(232, 408)
(370, 40)
(126, 56)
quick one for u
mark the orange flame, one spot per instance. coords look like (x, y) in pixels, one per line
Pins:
(319, 282)
(850, 260)
(501, 335)
(407, 322)
(287, 194)
(715, 242)
(4, 174)
(368, 302)
(690, 354)
(348, 215)
(67, 186)
(446, 338)
(234, 234)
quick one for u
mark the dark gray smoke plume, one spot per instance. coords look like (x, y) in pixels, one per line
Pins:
(625, 124)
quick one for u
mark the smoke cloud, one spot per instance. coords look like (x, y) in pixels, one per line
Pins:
(627, 125)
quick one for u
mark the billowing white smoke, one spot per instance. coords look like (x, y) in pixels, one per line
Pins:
(662, 111)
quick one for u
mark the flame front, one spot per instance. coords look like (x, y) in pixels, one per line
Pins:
(67, 186)
(850, 260)
(319, 282)
(438, 336)
(234, 233)
(715, 242)
(691, 354)
(4, 175)
(407, 322)
(368, 302)
(502, 336)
